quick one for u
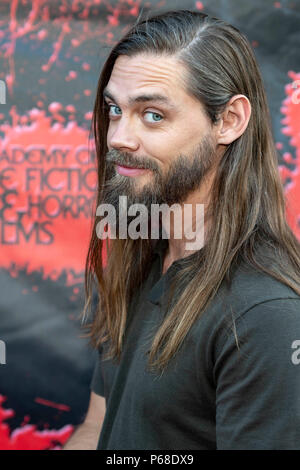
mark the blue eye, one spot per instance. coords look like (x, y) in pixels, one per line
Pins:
(110, 106)
(155, 115)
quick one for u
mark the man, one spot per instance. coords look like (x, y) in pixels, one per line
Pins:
(198, 349)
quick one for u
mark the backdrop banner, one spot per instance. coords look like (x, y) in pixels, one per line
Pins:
(51, 54)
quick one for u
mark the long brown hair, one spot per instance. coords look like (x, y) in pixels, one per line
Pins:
(247, 195)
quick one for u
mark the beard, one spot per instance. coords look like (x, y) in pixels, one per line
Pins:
(185, 174)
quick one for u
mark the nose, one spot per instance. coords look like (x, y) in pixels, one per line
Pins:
(121, 135)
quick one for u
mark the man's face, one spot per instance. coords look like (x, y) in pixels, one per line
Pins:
(169, 140)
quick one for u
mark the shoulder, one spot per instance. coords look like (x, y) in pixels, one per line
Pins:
(251, 306)
(252, 290)
(261, 313)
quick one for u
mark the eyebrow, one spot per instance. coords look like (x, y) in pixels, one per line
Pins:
(142, 98)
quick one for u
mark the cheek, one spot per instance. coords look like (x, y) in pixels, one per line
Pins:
(162, 148)
(108, 135)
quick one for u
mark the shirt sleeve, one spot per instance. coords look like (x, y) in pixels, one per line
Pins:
(97, 382)
(258, 385)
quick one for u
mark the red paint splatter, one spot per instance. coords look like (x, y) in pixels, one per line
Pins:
(27, 437)
(291, 177)
(113, 20)
(199, 5)
(75, 42)
(88, 115)
(42, 34)
(71, 75)
(70, 108)
(58, 406)
(86, 66)
(33, 26)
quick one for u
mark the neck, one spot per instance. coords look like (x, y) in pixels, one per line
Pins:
(186, 228)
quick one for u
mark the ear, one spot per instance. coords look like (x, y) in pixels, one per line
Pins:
(234, 119)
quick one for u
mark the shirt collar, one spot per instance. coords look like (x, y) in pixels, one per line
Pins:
(160, 247)
(156, 293)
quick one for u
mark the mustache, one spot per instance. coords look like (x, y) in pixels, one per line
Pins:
(131, 161)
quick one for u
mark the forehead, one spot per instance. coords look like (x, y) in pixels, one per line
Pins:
(148, 73)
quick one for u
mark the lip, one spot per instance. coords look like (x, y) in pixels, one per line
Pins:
(129, 171)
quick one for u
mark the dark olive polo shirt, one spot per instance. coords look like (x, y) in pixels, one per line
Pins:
(212, 394)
